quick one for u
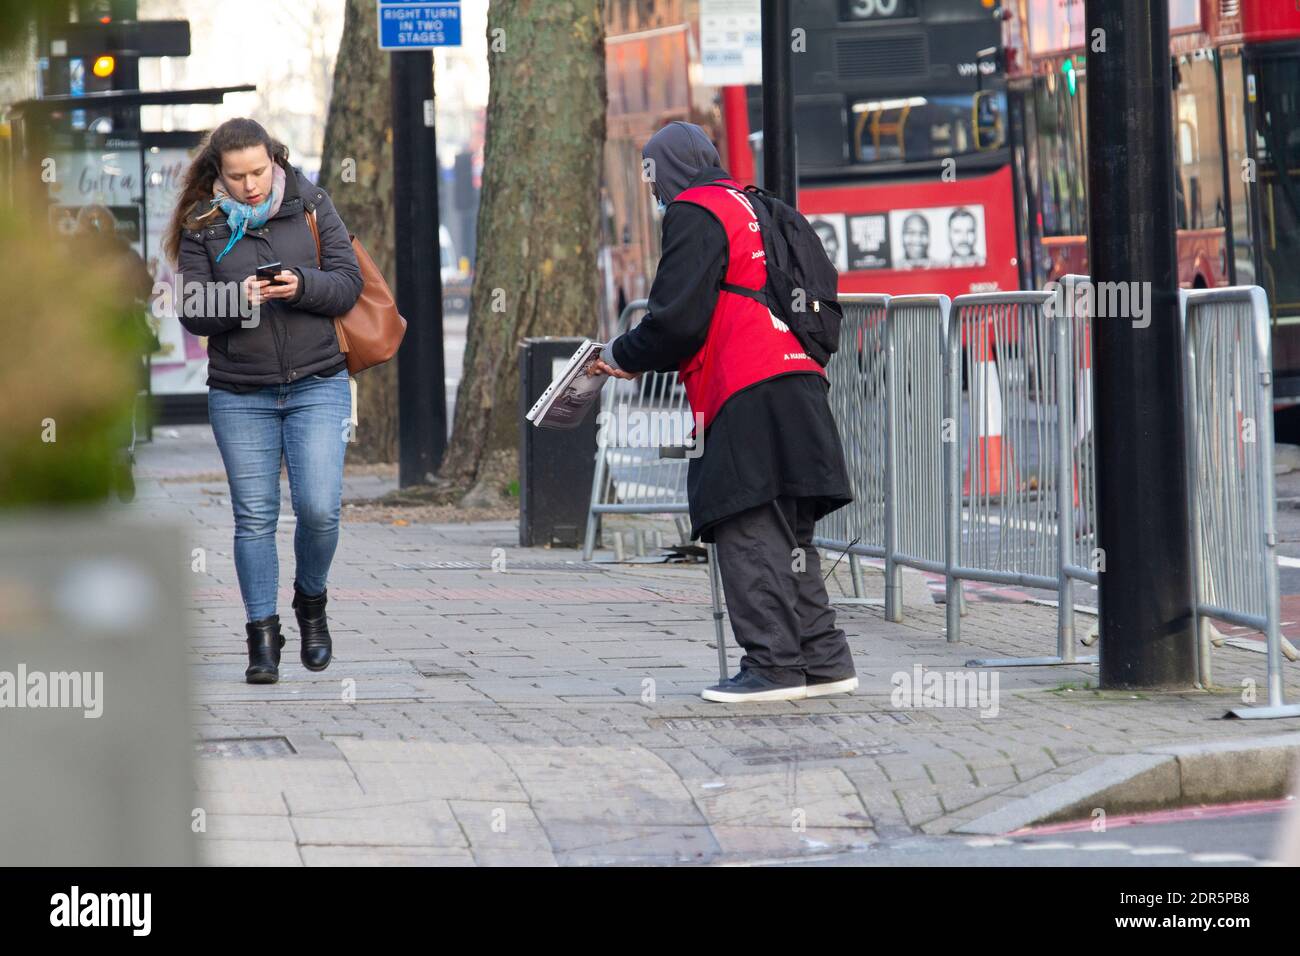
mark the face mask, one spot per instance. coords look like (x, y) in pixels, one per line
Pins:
(662, 206)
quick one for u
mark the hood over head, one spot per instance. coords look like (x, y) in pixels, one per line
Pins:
(680, 151)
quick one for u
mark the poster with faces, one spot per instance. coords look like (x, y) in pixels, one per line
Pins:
(830, 230)
(869, 242)
(940, 237)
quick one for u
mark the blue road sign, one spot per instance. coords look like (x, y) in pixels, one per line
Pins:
(418, 26)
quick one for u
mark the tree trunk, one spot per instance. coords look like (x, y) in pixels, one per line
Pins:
(357, 172)
(538, 217)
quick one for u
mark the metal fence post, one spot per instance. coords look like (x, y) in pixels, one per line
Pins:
(954, 596)
(597, 486)
(1200, 623)
(1272, 601)
(1062, 326)
(715, 596)
(893, 579)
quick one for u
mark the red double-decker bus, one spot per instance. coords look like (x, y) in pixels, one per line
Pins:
(1236, 162)
(902, 138)
(903, 143)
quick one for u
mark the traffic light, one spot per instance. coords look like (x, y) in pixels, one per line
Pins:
(101, 51)
(1071, 78)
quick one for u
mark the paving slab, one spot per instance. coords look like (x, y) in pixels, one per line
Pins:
(549, 713)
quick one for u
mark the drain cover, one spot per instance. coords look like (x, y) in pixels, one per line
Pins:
(757, 756)
(433, 670)
(245, 747)
(783, 720)
(509, 566)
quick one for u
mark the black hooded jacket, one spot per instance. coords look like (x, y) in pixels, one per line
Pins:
(293, 338)
(774, 439)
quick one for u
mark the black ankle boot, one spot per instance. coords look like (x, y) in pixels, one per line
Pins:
(264, 643)
(317, 648)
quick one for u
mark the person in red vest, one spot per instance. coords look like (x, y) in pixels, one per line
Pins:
(771, 463)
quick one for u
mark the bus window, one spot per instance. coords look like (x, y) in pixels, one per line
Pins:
(1277, 149)
(1062, 164)
(1234, 119)
(1198, 158)
(925, 128)
(990, 127)
(819, 131)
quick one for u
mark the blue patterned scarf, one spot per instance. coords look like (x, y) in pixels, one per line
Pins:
(240, 216)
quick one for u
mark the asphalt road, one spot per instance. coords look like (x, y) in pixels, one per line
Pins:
(1238, 835)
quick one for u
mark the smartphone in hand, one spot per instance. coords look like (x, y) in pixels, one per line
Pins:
(270, 271)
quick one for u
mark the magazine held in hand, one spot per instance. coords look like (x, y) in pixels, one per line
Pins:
(565, 402)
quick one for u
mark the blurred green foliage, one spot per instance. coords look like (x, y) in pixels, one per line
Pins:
(17, 15)
(70, 347)
(69, 366)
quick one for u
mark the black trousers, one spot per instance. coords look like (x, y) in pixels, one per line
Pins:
(779, 609)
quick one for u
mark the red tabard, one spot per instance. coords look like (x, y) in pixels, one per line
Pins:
(746, 343)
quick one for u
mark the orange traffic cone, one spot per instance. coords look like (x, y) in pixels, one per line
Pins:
(986, 402)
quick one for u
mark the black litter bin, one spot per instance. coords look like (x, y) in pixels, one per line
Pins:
(556, 466)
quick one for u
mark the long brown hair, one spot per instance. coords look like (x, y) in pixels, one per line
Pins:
(233, 134)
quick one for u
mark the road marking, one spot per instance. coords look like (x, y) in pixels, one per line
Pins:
(1221, 858)
(1158, 851)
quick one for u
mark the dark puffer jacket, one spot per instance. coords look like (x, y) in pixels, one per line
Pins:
(292, 338)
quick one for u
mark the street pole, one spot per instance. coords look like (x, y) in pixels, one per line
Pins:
(1147, 637)
(778, 102)
(126, 76)
(421, 392)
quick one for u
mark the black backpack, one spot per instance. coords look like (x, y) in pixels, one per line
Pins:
(802, 283)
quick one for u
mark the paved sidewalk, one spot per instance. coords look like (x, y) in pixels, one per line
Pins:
(547, 712)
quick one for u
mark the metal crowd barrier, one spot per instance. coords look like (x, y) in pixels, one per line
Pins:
(916, 330)
(968, 489)
(857, 398)
(887, 397)
(1013, 521)
(1003, 524)
(1229, 418)
(996, 481)
(639, 480)
(1080, 559)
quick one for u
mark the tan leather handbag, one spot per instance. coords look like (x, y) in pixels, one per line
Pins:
(370, 333)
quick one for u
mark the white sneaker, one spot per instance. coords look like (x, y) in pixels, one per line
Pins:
(749, 687)
(827, 688)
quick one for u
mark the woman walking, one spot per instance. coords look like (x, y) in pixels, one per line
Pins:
(277, 382)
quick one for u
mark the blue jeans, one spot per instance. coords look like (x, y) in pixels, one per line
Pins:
(306, 424)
